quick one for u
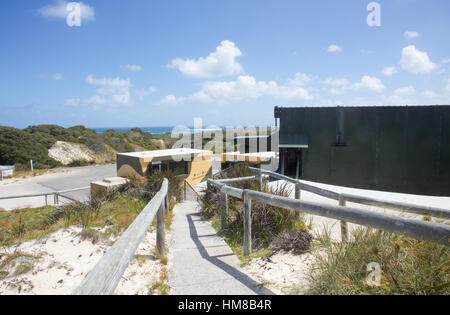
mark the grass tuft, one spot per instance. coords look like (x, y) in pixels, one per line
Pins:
(408, 266)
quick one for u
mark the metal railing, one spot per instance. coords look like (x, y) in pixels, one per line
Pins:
(55, 194)
(428, 231)
(105, 276)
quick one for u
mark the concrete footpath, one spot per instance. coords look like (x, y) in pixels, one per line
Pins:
(201, 262)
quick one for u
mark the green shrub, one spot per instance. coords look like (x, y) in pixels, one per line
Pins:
(268, 222)
(18, 147)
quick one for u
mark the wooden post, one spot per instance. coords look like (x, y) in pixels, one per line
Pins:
(224, 211)
(226, 203)
(46, 203)
(260, 181)
(164, 206)
(160, 233)
(344, 227)
(247, 224)
(298, 196)
(298, 192)
(167, 202)
(185, 196)
(297, 168)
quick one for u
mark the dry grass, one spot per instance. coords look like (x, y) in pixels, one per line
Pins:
(161, 287)
(27, 224)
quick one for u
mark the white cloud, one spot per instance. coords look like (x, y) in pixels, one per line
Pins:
(388, 71)
(72, 102)
(447, 86)
(142, 93)
(247, 87)
(171, 100)
(445, 61)
(416, 61)
(430, 94)
(96, 100)
(57, 76)
(58, 10)
(404, 91)
(411, 34)
(134, 68)
(220, 63)
(370, 83)
(334, 48)
(117, 89)
(336, 91)
(337, 82)
(108, 82)
(300, 79)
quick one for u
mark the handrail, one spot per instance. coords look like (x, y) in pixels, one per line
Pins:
(74, 189)
(44, 194)
(319, 191)
(237, 179)
(423, 230)
(105, 276)
(67, 197)
(428, 231)
(399, 206)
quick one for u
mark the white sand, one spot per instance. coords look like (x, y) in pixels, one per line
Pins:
(283, 273)
(68, 152)
(65, 260)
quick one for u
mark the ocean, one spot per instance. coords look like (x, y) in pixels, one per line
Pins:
(152, 130)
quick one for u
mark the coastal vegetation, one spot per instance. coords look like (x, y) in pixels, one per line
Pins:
(273, 229)
(19, 146)
(114, 212)
(100, 221)
(407, 266)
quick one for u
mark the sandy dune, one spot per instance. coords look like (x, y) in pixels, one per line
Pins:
(61, 261)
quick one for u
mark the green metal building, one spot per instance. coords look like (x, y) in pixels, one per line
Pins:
(390, 148)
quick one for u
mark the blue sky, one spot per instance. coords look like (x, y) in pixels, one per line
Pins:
(162, 63)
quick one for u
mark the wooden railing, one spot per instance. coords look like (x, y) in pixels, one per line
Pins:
(428, 231)
(400, 206)
(105, 276)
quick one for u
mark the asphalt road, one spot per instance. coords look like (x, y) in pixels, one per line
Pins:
(82, 178)
(77, 177)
